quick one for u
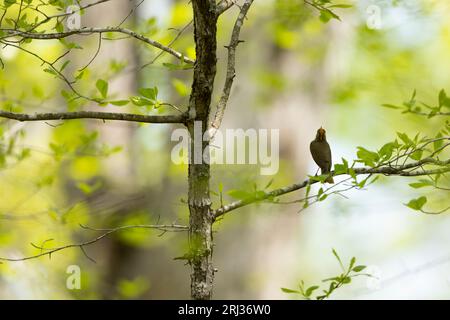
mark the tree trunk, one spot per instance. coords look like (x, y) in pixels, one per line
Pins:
(201, 218)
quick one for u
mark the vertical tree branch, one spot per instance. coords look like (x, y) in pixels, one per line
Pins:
(231, 72)
(201, 217)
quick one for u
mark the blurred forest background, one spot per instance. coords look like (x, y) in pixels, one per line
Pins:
(296, 71)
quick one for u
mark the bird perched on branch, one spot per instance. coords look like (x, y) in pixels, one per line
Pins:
(321, 153)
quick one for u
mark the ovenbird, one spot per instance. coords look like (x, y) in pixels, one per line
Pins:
(321, 153)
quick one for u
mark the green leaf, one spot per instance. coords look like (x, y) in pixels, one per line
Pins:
(45, 181)
(286, 290)
(447, 102)
(327, 15)
(53, 215)
(367, 157)
(181, 88)
(442, 98)
(70, 45)
(172, 66)
(352, 173)
(102, 87)
(411, 103)
(59, 27)
(310, 290)
(64, 65)
(8, 3)
(240, 194)
(342, 6)
(341, 168)
(80, 75)
(149, 93)
(347, 280)
(432, 113)
(363, 182)
(320, 192)
(58, 150)
(391, 106)
(338, 258)
(417, 204)
(358, 268)
(404, 137)
(129, 289)
(416, 155)
(119, 103)
(51, 71)
(66, 95)
(308, 190)
(259, 194)
(422, 183)
(386, 151)
(332, 287)
(140, 101)
(331, 279)
(88, 189)
(438, 143)
(352, 262)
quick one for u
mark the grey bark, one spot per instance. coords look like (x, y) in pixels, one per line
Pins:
(201, 217)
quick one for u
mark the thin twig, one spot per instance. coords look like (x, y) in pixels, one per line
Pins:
(49, 251)
(231, 72)
(87, 31)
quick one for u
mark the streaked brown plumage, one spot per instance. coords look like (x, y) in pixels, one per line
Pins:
(321, 153)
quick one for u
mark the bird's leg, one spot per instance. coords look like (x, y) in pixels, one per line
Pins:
(317, 171)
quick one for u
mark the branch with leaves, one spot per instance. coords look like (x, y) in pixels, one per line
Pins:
(326, 7)
(45, 251)
(336, 282)
(5, 34)
(424, 109)
(411, 157)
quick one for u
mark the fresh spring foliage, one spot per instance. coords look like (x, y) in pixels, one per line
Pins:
(327, 9)
(442, 107)
(333, 283)
(403, 156)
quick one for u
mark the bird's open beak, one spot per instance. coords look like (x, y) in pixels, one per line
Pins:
(321, 133)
